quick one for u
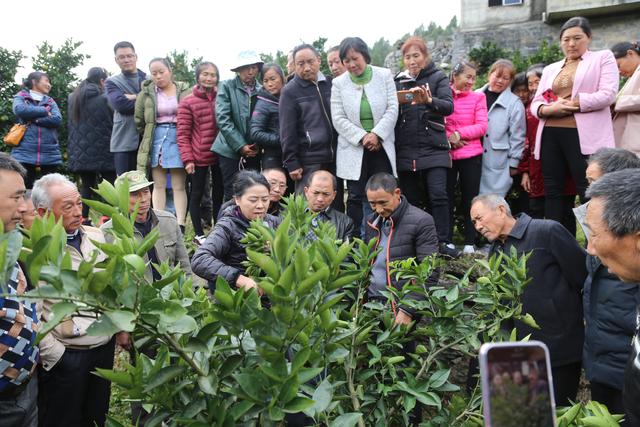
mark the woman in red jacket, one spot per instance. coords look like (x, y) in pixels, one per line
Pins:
(464, 128)
(196, 132)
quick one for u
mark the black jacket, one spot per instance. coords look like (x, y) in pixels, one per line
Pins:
(344, 225)
(222, 254)
(610, 321)
(265, 129)
(631, 391)
(421, 141)
(90, 138)
(553, 297)
(413, 235)
(306, 133)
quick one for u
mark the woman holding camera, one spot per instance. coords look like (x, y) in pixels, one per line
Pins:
(422, 149)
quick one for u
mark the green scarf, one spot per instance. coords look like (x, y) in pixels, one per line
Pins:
(366, 115)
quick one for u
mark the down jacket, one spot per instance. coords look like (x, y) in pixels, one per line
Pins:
(88, 146)
(222, 254)
(145, 117)
(413, 234)
(197, 128)
(610, 320)
(421, 141)
(265, 129)
(39, 146)
(469, 119)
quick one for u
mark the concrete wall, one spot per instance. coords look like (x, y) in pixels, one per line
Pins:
(526, 37)
(477, 15)
(567, 8)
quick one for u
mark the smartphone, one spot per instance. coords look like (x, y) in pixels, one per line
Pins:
(517, 387)
(405, 96)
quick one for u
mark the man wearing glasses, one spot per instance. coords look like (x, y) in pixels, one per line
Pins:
(122, 91)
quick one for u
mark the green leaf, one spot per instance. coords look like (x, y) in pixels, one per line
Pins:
(300, 359)
(298, 404)
(230, 365)
(124, 320)
(121, 378)
(265, 263)
(439, 377)
(165, 374)
(349, 419)
(59, 311)
(251, 384)
(208, 384)
(136, 262)
(239, 409)
(321, 397)
(102, 327)
(528, 320)
(289, 390)
(169, 311)
(184, 325)
(307, 374)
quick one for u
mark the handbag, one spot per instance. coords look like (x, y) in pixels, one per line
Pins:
(15, 134)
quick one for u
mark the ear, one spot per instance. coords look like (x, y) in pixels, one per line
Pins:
(637, 242)
(397, 192)
(42, 211)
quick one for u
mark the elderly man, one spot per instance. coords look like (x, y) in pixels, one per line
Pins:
(613, 219)
(234, 105)
(609, 304)
(20, 320)
(401, 231)
(170, 245)
(306, 132)
(70, 394)
(320, 193)
(557, 271)
(122, 91)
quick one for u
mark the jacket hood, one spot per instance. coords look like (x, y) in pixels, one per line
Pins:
(264, 94)
(93, 90)
(149, 87)
(24, 93)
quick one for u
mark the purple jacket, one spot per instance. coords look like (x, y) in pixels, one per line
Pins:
(596, 84)
(469, 119)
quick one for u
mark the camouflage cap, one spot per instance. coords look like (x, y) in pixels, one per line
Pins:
(137, 180)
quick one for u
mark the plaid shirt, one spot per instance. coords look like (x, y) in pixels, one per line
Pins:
(18, 330)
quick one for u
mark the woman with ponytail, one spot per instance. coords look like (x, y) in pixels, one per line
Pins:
(626, 120)
(90, 124)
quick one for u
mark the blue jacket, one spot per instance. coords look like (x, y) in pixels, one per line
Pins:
(610, 320)
(39, 146)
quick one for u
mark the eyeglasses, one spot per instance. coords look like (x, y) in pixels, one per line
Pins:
(276, 184)
(123, 57)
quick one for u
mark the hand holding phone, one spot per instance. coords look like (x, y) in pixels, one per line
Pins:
(517, 387)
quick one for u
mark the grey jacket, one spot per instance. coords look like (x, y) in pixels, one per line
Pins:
(503, 143)
(346, 97)
(169, 246)
(124, 136)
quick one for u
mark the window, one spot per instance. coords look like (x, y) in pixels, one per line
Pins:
(504, 2)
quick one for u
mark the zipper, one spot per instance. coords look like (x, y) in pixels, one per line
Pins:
(326, 116)
(414, 164)
(388, 253)
(309, 139)
(38, 152)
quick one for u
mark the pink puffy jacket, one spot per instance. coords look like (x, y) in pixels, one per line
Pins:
(469, 118)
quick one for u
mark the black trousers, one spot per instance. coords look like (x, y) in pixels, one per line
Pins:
(198, 185)
(89, 180)
(608, 396)
(466, 174)
(34, 172)
(434, 181)
(373, 162)
(566, 380)
(561, 156)
(125, 161)
(230, 167)
(70, 394)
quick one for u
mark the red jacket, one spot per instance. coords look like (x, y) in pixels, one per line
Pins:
(533, 167)
(197, 128)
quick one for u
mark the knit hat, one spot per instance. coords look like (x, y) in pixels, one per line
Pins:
(137, 180)
(246, 57)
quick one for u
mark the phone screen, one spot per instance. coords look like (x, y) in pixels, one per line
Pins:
(517, 385)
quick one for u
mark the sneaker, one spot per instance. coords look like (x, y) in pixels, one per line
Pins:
(199, 240)
(449, 251)
(468, 249)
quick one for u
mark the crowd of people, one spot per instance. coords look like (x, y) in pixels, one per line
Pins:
(413, 151)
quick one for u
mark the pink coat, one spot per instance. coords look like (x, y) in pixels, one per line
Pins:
(596, 84)
(469, 118)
